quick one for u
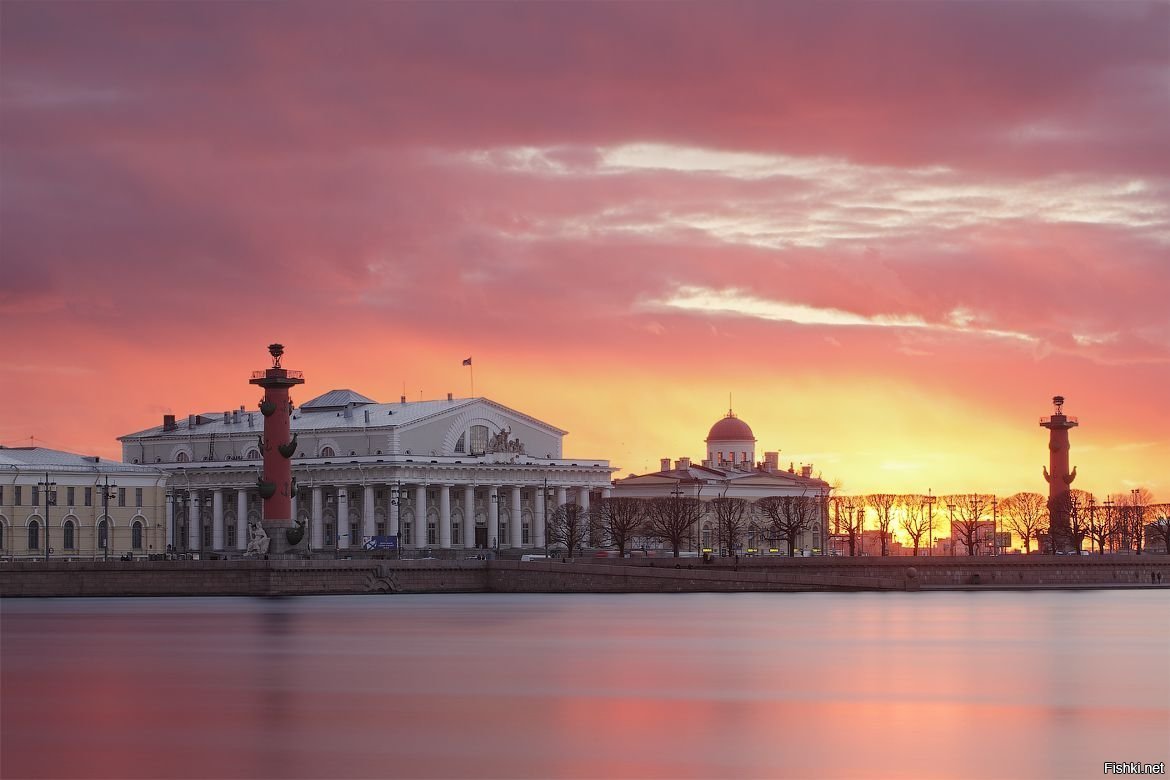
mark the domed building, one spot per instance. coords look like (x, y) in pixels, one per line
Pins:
(731, 470)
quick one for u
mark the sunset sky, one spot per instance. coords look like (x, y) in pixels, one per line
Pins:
(892, 231)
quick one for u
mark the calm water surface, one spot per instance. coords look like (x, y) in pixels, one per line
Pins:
(929, 685)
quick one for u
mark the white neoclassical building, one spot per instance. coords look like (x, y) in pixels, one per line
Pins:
(730, 470)
(464, 473)
(64, 505)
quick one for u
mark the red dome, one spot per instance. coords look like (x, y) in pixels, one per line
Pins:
(731, 428)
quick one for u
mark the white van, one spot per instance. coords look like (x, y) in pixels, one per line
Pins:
(525, 558)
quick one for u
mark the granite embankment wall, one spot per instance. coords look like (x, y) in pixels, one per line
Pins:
(299, 577)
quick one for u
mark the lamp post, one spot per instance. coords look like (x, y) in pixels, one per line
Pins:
(951, 507)
(930, 499)
(107, 494)
(1108, 504)
(50, 498)
(395, 494)
(495, 541)
(547, 497)
(994, 526)
(1137, 520)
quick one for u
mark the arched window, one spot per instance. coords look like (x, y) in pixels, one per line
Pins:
(479, 437)
(252, 454)
(34, 535)
(136, 535)
(103, 535)
(327, 452)
(67, 536)
(182, 457)
(459, 445)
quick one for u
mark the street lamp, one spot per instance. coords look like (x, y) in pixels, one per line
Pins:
(994, 526)
(951, 507)
(395, 496)
(107, 493)
(1108, 504)
(930, 499)
(50, 498)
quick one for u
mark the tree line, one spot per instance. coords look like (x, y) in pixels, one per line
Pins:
(619, 522)
(1120, 522)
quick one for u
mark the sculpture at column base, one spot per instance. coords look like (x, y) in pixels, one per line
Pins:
(286, 539)
(258, 539)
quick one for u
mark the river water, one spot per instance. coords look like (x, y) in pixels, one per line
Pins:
(931, 685)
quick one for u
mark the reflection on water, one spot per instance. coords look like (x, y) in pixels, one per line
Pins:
(698, 685)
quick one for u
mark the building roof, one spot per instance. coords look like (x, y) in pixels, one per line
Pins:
(731, 428)
(42, 459)
(336, 399)
(369, 414)
(705, 474)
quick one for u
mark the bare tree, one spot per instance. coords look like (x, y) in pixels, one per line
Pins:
(849, 514)
(1138, 505)
(1161, 523)
(730, 522)
(883, 504)
(620, 519)
(568, 525)
(1027, 515)
(970, 515)
(789, 516)
(671, 519)
(918, 518)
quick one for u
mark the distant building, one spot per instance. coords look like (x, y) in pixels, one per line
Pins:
(78, 525)
(730, 470)
(459, 473)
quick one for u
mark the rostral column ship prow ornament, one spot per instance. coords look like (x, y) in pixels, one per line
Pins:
(1058, 476)
(275, 484)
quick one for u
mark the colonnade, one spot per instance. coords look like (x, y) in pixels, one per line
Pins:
(395, 510)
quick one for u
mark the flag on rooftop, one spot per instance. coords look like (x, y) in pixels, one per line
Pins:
(467, 361)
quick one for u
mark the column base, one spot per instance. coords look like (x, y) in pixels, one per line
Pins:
(278, 543)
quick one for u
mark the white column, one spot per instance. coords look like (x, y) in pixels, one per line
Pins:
(170, 521)
(469, 516)
(493, 529)
(369, 512)
(420, 516)
(562, 496)
(343, 517)
(217, 519)
(392, 510)
(538, 519)
(241, 520)
(445, 516)
(606, 492)
(516, 527)
(193, 521)
(583, 498)
(317, 521)
(293, 507)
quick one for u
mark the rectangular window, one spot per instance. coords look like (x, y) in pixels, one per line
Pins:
(16, 495)
(137, 496)
(1, 495)
(121, 496)
(36, 496)
(479, 437)
(89, 496)
(70, 496)
(432, 534)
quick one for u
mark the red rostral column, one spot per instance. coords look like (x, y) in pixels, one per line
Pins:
(276, 485)
(1058, 476)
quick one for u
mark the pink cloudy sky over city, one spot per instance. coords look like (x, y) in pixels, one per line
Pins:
(892, 231)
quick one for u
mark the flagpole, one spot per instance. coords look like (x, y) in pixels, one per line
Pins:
(472, 367)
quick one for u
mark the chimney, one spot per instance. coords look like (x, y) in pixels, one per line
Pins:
(684, 463)
(450, 397)
(241, 408)
(772, 461)
(707, 463)
(227, 418)
(251, 419)
(402, 399)
(190, 421)
(664, 464)
(236, 415)
(806, 471)
(169, 422)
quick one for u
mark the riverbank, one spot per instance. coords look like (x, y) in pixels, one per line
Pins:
(324, 577)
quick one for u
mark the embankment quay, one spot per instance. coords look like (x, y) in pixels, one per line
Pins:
(668, 575)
